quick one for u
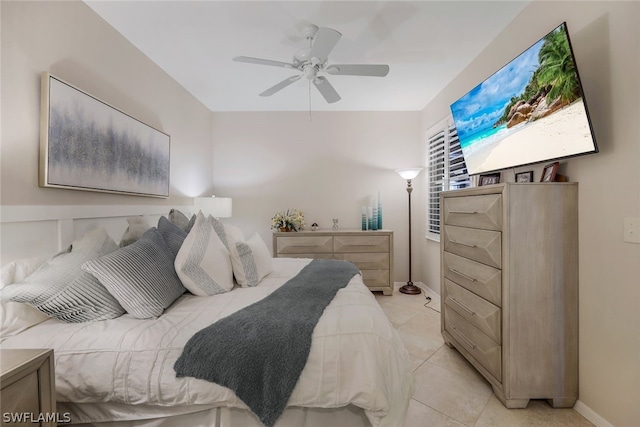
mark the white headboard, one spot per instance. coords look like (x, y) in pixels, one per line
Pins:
(30, 231)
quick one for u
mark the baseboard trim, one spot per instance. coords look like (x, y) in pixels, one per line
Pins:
(591, 415)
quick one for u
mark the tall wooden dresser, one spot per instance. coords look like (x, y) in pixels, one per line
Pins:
(509, 286)
(371, 251)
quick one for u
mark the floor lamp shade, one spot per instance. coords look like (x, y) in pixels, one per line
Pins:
(409, 174)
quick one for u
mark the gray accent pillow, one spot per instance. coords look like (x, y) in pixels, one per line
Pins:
(60, 289)
(181, 220)
(135, 230)
(140, 276)
(172, 234)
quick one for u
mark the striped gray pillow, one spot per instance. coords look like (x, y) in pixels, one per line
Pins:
(140, 276)
(60, 289)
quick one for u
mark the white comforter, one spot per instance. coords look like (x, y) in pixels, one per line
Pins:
(356, 355)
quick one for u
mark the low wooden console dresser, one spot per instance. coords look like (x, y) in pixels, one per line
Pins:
(509, 286)
(371, 251)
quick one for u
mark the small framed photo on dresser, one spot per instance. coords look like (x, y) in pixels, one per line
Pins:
(549, 172)
(490, 178)
(524, 176)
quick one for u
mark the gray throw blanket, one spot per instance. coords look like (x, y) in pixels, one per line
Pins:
(260, 351)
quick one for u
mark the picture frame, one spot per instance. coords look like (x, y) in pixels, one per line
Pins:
(524, 176)
(489, 179)
(89, 145)
(549, 172)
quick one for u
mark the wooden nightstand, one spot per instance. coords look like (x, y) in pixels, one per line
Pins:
(28, 387)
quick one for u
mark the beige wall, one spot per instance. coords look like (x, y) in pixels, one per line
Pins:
(327, 167)
(71, 42)
(606, 41)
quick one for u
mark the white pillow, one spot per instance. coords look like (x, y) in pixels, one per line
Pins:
(251, 261)
(15, 317)
(203, 264)
(137, 227)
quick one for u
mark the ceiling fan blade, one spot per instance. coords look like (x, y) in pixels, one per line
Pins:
(358, 70)
(324, 43)
(260, 61)
(275, 88)
(326, 90)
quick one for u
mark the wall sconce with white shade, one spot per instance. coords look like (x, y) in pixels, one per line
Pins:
(409, 174)
(217, 207)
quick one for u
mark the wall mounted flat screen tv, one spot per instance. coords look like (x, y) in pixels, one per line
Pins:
(531, 110)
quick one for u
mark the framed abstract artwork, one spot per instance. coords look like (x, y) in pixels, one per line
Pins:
(86, 144)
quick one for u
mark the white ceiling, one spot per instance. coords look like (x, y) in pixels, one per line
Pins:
(425, 43)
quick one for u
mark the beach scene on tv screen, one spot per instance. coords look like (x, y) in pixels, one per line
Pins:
(529, 111)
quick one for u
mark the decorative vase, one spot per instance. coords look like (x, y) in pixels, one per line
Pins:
(285, 229)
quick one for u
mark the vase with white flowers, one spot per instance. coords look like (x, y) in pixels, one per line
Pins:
(291, 220)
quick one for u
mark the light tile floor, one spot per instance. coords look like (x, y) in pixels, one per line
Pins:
(448, 391)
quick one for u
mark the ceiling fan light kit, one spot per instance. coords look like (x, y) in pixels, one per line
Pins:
(313, 60)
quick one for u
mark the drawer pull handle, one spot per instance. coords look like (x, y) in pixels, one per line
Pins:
(464, 212)
(453, 270)
(470, 245)
(464, 307)
(465, 339)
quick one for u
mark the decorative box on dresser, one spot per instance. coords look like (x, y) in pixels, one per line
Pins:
(371, 251)
(28, 386)
(509, 286)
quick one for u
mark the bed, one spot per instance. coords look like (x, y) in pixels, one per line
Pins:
(120, 371)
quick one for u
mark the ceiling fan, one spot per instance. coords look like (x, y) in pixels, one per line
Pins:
(313, 60)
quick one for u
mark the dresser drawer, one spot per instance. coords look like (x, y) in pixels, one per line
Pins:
(477, 277)
(477, 311)
(481, 347)
(375, 278)
(304, 245)
(361, 244)
(483, 212)
(309, 255)
(367, 261)
(479, 245)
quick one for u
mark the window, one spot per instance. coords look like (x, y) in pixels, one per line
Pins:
(446, 170)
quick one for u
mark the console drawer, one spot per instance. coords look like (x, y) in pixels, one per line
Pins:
(304, 245)
(477, 311)
(367, 261)
(474, 211)
(360, 243)
(481, 347)
(479, 245)
(479, 278)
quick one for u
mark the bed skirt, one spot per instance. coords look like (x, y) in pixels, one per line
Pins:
(348, 416)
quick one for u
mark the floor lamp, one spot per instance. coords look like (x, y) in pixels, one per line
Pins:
(409, 174)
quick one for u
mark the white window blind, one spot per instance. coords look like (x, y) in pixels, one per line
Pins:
(447, 169)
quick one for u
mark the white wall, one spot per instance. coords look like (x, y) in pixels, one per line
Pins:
(606, 41)
(327, 167)
(70, 41)
(330, 166)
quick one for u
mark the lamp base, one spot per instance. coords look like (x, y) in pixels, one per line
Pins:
(410, 289)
